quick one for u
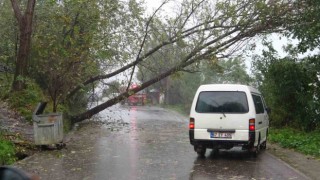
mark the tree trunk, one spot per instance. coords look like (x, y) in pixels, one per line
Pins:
(25, 30)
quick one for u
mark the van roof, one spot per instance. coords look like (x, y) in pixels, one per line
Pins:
(227, 87)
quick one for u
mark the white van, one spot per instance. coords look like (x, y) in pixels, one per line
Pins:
(226, 115)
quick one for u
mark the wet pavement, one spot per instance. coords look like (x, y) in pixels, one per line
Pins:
(142, 142)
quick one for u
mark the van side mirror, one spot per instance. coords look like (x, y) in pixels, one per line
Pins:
(268, 110)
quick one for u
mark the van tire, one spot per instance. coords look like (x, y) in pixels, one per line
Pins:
(215, 151)
(201, 151)
(264, 144)
(256, 150)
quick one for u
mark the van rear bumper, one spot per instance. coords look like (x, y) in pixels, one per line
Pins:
(221, 144)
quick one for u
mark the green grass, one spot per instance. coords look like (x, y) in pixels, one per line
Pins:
(307, 143)
(7, 152)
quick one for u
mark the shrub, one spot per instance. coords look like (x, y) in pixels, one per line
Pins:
(26, 100)
(5, 84)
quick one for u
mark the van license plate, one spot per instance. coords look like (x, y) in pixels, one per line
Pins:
(220, 135)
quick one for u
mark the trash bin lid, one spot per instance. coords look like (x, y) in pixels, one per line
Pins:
(40, 108)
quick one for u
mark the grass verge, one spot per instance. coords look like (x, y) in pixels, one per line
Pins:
(306, 143)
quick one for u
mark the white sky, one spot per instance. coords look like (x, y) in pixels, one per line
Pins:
(152, 4)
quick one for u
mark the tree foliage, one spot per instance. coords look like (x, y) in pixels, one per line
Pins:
(68, 37)
(291, 84)
(306, 25)
(290, 87)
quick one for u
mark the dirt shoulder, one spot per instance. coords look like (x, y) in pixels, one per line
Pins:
(16, 129)
(308, 165)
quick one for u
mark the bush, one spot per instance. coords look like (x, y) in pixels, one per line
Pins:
(5, 84)
(26, 100)
(7, 152)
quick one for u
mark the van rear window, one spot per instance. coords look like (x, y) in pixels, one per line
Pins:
(222, 101)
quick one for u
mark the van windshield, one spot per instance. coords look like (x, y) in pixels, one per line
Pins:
(222, 102)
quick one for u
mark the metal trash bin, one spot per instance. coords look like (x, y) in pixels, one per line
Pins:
(48, 128)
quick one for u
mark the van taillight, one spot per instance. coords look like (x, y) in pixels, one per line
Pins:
(252, 126)
(191, 123)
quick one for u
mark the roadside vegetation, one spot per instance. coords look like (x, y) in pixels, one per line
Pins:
(26, 100)
(7, 151)
(307, 143)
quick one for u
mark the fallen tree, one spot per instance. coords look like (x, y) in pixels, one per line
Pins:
(207, 30)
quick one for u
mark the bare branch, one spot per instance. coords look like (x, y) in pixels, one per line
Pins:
(144, 40)
(193, 9)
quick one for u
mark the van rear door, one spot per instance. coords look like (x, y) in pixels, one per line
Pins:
(217, 112)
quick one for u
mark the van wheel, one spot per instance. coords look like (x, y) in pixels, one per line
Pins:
(201, 151)
(264, 145)
(215, 151)
(256, 150)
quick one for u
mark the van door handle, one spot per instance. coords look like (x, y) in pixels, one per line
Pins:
(260, 122)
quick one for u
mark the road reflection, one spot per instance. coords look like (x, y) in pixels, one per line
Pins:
(218, 165)
(133, 143)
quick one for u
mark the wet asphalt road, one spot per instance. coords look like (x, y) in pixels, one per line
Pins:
(148, 143)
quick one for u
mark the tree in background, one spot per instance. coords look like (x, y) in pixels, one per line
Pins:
(224, 71)
(228, 71)
(67, 35)
(114, 87)
(290, 87)
(25, 31)
(291, 84)
(8, 46)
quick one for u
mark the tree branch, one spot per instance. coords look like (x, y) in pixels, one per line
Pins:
(16, 10)
(144, 40)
